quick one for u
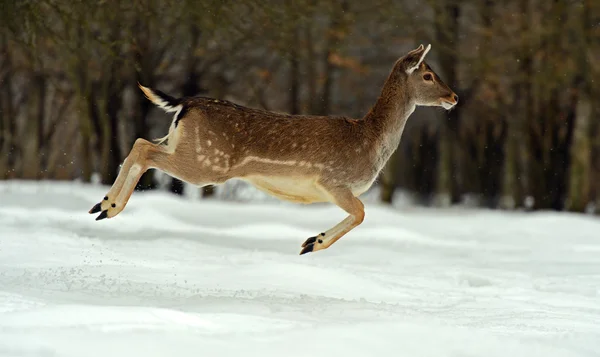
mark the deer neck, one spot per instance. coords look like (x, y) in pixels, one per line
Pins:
(388, 116)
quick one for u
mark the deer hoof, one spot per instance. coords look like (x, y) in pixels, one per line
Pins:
(314, 239)
(102, 215)
(310, 240)
(97, 208)
(309, 248)
(106, 209)
(313, 244)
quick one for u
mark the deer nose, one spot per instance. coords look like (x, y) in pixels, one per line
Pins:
(455, 97)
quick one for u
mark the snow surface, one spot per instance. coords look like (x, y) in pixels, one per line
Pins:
(177, 277)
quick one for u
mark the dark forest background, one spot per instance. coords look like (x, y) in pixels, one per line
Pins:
(525, 135)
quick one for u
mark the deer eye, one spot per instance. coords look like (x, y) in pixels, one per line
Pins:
(428, 77)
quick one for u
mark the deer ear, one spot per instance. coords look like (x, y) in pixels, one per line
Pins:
(415, 58)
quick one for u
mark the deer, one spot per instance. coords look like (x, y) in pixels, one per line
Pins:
(296, 158)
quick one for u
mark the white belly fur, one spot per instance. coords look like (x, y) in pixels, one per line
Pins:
(294, 189)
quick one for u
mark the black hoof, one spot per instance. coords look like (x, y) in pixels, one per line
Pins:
(102, 215)
(310, 240)
(309, 248)
(96, 208)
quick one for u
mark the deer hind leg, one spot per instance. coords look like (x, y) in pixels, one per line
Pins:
(343, 198)
(143, 156)
(135, 164)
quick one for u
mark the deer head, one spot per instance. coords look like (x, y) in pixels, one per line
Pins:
(426, 86)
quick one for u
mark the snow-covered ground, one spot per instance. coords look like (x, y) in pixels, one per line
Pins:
(176, 277)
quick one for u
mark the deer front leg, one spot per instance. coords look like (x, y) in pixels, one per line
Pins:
(343, 198)
(141, 157)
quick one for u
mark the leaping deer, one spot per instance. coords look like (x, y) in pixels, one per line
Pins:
(297, 158)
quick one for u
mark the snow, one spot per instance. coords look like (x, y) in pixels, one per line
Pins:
(177, 277)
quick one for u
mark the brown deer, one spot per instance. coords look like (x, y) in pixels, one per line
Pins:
(297, 158)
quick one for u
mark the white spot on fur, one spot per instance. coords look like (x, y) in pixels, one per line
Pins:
(208, 142)
(224, 168)
(200, 157)
(294, 145)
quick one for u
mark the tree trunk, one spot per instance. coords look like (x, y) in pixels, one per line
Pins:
(8, 125)
(491, 168)
(40, 83)
(144, 63)
(335, 34)
(83, 92)
(514, 181)
(444, 169)
(564, 135)
(581, 155)
(446, 30)
(493, 130)
(108, 105)
(34, 127)
(111, 95)
(594, 138)
(388, 179)
(579, 184)
(86, 139)
(142, 130)
(424, 164)
(115, 156)
(511, 192)
(324, 102)
(311, 71)
(294, 97)
(551, 128)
